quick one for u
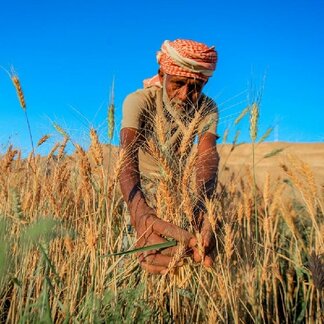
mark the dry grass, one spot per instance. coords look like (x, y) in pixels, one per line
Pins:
(64, 206)
(61, 214)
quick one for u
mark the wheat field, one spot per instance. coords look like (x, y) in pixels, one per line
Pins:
(62, 217)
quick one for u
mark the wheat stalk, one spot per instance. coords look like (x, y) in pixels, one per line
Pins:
(43, 139)
(254, 117)
(52, 152)
(16, 82)
(189, 134)
(242, 115)
(85, 172)
(96, 148)
(62, 147)
(228, 241)
(111, 113)
(20, 94)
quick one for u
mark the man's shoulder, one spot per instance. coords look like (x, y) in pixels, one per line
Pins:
(145, 95)
(138, 105)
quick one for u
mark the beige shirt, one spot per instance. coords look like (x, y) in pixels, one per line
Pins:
(144, 110)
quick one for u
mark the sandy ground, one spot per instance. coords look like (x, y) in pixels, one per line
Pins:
(241, 158)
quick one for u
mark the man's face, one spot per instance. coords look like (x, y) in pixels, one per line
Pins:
(182, 92)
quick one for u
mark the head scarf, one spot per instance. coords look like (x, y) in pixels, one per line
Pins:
(185, 58)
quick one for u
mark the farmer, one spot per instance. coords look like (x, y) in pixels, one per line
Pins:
(176, 91)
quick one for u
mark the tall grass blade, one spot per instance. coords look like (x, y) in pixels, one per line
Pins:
(145, 248)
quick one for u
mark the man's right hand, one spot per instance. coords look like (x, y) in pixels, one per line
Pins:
(152, 230)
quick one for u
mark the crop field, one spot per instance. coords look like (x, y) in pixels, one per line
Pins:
(63, 219)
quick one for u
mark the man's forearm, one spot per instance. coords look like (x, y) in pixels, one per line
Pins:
(207, 173)
(130, 182)
(130, 185)
(130, 179)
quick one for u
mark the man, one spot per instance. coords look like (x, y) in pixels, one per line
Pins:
(176, 94)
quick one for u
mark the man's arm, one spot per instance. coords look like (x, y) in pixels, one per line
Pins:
(206, 180)
(149, 228)
(207, 165)
(130, 177)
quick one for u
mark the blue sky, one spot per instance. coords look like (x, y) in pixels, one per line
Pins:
(67, 53)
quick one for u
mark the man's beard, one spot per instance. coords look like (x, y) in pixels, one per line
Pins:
(175, 107)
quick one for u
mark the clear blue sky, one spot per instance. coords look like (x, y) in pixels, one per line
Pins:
(67, 53)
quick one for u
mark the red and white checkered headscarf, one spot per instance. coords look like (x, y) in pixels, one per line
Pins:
(185, 58)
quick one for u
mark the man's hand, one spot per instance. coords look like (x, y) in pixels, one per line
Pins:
(205, 246)
(152, 230)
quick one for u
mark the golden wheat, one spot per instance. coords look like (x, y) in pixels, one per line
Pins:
(61, 151)
(96, 148)
(254, 117)
(43, 139)
(73, 274)
(19, 90)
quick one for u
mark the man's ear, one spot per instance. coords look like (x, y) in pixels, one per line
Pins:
(161, 74)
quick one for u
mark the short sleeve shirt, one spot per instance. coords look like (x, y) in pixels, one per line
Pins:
(144, 111)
